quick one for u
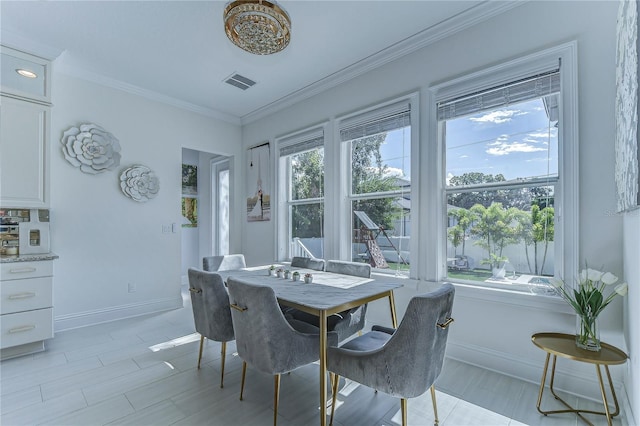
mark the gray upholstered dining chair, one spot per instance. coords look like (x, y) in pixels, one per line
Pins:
(265, 339)
(307, 263)
(346, 323)
(228, 262)
(404, 362)
(211, 311)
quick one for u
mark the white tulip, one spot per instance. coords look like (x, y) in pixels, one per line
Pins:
(608, 278)
(622, 289)
(594, 275)
(583, 276)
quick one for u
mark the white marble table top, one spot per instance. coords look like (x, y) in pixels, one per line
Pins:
(324, 293)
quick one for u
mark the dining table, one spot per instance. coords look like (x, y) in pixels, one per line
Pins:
(329, 293)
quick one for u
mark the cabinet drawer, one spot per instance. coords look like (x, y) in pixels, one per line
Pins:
(21, 270)
(26, 327)
(26, 295)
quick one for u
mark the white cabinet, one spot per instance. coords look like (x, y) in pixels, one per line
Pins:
(24, 156)
(26, 306)
(25, 111)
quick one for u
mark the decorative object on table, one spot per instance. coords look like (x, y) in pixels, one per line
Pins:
(295, 276)
(139, 183)
(280, 273)
(258, 196)
(626, 111)
(587, 298)
(308, 278)
(189, 179)
(91, 148)
(287, 273)
(270, 270)
(257, 26)
(189, 212)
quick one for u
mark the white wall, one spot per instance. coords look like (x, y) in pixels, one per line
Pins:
(104, 239)
(493, 329)
(632, 311)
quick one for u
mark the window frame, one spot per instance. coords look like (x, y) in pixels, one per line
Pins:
(219, 165)
(566, 237)
(284, 187)
(345, 197)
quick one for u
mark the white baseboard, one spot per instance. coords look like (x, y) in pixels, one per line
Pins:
(99, 316)
(567, 378)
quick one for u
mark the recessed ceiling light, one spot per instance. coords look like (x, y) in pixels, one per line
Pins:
(26, 73)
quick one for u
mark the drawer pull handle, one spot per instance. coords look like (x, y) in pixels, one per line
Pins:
(22, 329)
(22, 270)
(25, 295)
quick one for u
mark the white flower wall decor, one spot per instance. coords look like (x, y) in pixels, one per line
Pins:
(139, 183)
(91, 148)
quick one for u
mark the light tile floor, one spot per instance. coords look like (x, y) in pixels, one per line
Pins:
(142, 371)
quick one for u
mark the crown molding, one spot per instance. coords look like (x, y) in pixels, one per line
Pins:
(64, 66)
(23, 44)
(439, 31)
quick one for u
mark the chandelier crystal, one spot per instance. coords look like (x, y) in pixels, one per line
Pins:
(257, 26)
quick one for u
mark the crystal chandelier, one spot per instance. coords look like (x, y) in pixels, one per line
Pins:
(257, 26)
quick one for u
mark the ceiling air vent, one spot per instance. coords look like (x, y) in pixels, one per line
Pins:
(240, 81)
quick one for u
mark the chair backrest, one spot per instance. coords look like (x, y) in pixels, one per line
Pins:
(228, 262)
(356, 269)
(419, 343)
(264, 338)
(307, 263)
(210, 302)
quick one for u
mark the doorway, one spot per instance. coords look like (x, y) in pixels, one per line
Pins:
(206, 200)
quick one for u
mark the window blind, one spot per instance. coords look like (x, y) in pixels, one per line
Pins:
(301, 142)
(389, 117)
(518, 91)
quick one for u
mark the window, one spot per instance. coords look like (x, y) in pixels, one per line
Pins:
(220, 199)
(301, 192)
(379, 194)
(505, 183)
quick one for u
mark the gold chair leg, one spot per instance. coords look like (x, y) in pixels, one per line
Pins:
(223, 353)
(200, 354)
(276, 397)
(335, 379)
(403, 408)
(435, 407)
(244, 373)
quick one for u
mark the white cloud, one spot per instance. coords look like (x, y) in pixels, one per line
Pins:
(506, 148)
(498, 117)
(394, 171)
(542, 135)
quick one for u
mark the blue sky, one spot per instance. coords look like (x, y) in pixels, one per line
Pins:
(515, 141)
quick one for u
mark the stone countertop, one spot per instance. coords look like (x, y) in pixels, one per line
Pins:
(27, 257)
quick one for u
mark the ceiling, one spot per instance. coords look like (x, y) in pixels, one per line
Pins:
(177, 51)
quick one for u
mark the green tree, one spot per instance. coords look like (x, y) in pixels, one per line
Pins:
(370, 175)
(459, 232)
(307, 179)
(542, 232)
(495, 230)
(467, 200)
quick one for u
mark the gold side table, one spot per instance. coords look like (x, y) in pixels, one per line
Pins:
(564, 345)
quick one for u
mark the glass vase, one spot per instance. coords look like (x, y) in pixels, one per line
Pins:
(587, 332)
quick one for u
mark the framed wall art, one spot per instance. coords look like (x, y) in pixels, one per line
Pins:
(626, 138)
(189, 212)
(189, 179)
(258, 180)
